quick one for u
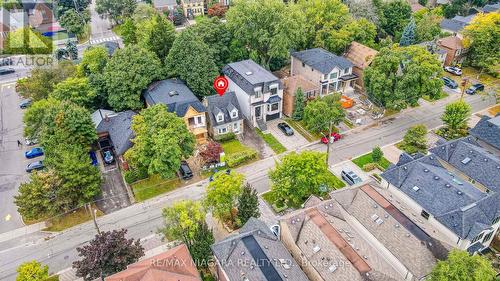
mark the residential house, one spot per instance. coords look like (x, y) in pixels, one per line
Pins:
(224, 114)
(329, 72)
(193, 8)
(258, 91)
(455, 50)
(433, 48)
(165, 5)
(290, 86)
(358, 235)
(180, 99)
(490, 8)
(456, 24)
(361, 56)
(454, 189)
(172, 265)
(255, 253)
(115, 127)
(487, 131)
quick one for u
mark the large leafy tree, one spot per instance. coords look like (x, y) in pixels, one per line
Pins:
(267, 28)
(127, 74)
(399, 76)
(128, 32)
(394, 16)
(143, 12)
(156, 35)
(482, 37)
(116, 10)
(76, 90)
(455, 118)
(427, 24)
(195, 64)
(109, 252)
(415, 139)
(161, 141)
(298, 176)
(218, 39)
(181, 220)
(223, 193)
(298, 104)
(321, 112)
(92, 66)
(32, 271)
(74, 22)
(248, 204)
(460, 266)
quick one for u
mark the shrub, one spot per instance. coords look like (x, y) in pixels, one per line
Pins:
(134, 175)
(377, 154)
(225, 137)
(369, 167)
(233, 160)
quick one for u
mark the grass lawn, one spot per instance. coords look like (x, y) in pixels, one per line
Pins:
(153, 186)
(77, 217)
(441, 96)
(233, 146)
(53, 278)
(389, 112)
(117, 30)
(367, 158)
(277, 147)
(485, 78)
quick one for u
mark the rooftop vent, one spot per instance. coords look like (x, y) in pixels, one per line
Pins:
(248, 73)
(332, 268)
(466, 160)
(485, 160)
(173, 93)
(436, 177)
(426, 170)
(443, 148)
(405, 168)
(375, 217)
(432, 157)
(460, 192)
(416, 188)
(375, 206)
(407, 234)
(396, 225)
(379, 221)
(365, 257)
(448, 185)
(316, 249)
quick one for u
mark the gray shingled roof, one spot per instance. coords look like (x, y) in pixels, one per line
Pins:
(488, 130)
(237, 260)
(117, 125)
(225, 104)
(491, 8)
(453, 25)
(467, 156)
(175, 95)
(322, 60)
(248, 75)
(455, 203)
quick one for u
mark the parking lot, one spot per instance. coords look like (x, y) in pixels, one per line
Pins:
(289, 142)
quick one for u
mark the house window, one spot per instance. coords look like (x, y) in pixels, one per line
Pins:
(477, 238)
(274, 106)
(258, 92)
(324, 88)
(274, 91)
(333, 75)
(199, 120)
(222, 130)
(425, 215)
(332, 87)
(220, 117)
(191, 121)
(234, 113)
(236, 127)
(487, 237)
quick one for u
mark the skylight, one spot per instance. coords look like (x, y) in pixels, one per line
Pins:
(416, 188)
(466, 160)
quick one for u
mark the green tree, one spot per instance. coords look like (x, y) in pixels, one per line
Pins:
(482, 37)
(93, 61)
(32, 271)
(298, 104)
(156, 35)
(127, 74)
(109, 252)
(399, 76)
(218, 39)
(395, 15)
(415, 139)
(428, 24)
(195, 64)
(377, 154)
(156, 129)
(182, 220)
(36, 197)
(128, 32)
(298, 176)
(248, 204)
(143, 11)
(74, 22)
(408, 36)
(321, 112)
(455, 118)
(222, 194)
(200, 246)
(460, 266)
(116, 10)
(267, 28)
(76, 90)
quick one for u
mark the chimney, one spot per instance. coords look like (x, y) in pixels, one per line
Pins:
(106, 118)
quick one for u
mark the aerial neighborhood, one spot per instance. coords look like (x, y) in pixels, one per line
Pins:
(245, 140)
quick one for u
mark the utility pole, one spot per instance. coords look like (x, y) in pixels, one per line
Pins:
(328, 138)
(94, 212)
(464, 85)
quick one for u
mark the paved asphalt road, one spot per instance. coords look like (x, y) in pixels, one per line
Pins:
(142, 219)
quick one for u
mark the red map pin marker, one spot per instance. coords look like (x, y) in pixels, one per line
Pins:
(220, 85)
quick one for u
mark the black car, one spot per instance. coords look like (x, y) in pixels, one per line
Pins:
(287, 130)
(350, 177)
(38, 165)
(25, 103)
(185, 171)
(450, 83)
(474, 88)
(5, 71)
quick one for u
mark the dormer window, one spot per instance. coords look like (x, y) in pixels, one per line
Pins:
(258, 92)
(220, 117)
(234, 113)
(333, 75)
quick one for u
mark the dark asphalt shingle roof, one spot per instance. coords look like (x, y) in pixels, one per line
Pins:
(248, 75)
(224, 104)
(322, 60)
(117, 125)
(491, 8)
(453, 25)
(174, 94)
(488, 130)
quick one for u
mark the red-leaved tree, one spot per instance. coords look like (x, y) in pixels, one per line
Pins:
(217, 10)
(211, 152)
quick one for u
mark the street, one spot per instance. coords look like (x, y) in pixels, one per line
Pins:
(142, 219)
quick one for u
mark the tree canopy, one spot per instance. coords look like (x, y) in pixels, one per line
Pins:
(161, 141)
(32, 271)
(248, 204)
(156, 34)
(415, 139)
(76, 90)
(217, 37)
(394, 16)
(455, 117)
(222, 195)
(74, 21)
(460, 266)
(319, 113)
(115, 10)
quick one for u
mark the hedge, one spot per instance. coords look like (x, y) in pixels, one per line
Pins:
(233, 160)
(225, 137)
(134, 175)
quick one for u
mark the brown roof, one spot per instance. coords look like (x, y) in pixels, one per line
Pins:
(451, 42)
(360, 55)
(172, 265)
(416, 7)
(291, 84)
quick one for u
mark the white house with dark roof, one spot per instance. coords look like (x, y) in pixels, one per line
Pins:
(224, 115)
(328, 71)
(258, 91)
(487, 130)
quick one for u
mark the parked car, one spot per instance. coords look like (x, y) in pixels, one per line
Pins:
(453, 70)
(450, 83)
(93, 158)
(474, 88)
(34, 152)
(5, 71)
(38, 165)
(25, 103)
(185, 171)
(107, 156)
(350, 177)
(333, 138)
(285, 128)
(30, 142)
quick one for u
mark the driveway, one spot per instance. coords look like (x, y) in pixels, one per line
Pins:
(114, 194)
(346, 166)
(289, 142)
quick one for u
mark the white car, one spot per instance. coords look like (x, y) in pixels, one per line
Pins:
(453, 70)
